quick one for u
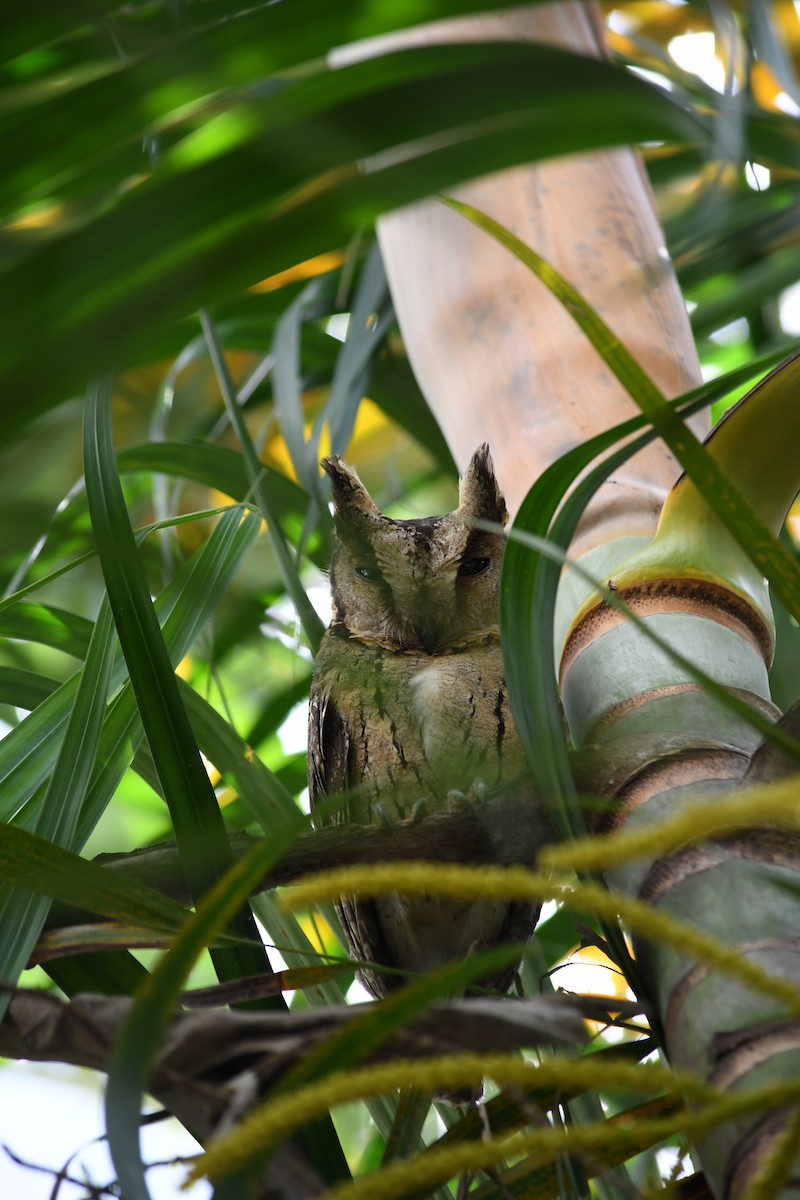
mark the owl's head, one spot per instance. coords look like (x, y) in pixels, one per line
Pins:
(429, 584)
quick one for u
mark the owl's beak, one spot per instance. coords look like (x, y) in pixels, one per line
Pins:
(429, 634)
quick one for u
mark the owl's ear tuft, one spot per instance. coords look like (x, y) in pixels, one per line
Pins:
(478, 495)
(352, 503)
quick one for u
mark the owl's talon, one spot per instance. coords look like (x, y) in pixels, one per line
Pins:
(475, 798)
(382, 813)
(419, 810)
(477, 793)
(456, 801)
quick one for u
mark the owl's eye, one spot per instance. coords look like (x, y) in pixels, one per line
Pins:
(371, 573)
(474, 566)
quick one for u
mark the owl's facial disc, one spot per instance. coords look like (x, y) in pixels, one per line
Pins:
(428, 584)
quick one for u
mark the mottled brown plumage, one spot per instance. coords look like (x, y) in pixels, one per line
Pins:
(409, 703)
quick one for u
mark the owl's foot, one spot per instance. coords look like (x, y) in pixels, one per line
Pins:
(419, 810)
(466, 1097)
(382, 813)
(387, 820)
(475, 798)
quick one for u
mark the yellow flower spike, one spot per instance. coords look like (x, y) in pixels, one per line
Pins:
(441, 1163)
(775, 804)
(517, 883)
(276, 1119)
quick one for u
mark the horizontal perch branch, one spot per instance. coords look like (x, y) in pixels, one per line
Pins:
(504, 828)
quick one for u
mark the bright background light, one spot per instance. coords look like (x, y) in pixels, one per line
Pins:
(51, 1110)
(696, 53)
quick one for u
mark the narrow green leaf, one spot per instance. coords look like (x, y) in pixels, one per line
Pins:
(193, 807)
(27, 754)
(370, 319)
(449, 107)
(25, 689)
(23, 913)
(21, 592)
(47, 625)
(140, 1037)
(718, 489)
(29, 860)
(74, 940)
(216, 467)
(311, 623)
(76, 759)
(109, 972)
(30, 26)
(259, 788)
(188, 601)
(212, 65)
(196, 818)
(287, 387)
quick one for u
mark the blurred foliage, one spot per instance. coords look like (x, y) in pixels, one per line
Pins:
(164, 157)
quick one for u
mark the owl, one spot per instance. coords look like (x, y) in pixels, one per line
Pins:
(409, 708)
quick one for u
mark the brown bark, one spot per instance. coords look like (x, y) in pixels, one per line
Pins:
(213, 1065)
(497, 831)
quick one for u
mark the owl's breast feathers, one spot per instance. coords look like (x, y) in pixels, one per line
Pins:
(397, 727)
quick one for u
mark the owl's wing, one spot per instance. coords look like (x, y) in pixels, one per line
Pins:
(519, 924)
(328, 775)
(328, 751)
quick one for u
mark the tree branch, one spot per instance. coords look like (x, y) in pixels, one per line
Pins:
(505, 828)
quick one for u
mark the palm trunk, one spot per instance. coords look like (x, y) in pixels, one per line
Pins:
(500, 360)
(497, 356)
